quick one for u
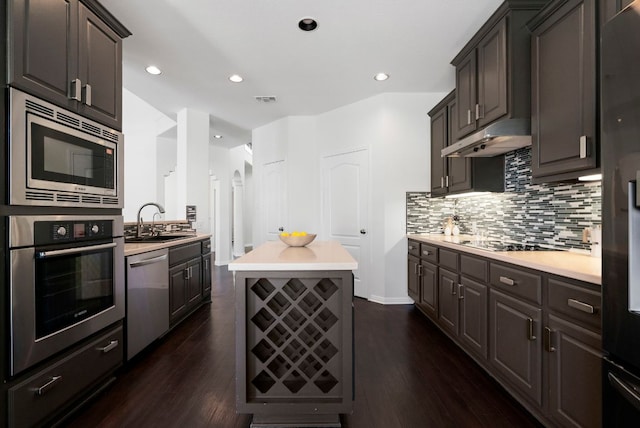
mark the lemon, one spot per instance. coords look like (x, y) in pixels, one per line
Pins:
(303, 233)
(295, 233)
(285, 234)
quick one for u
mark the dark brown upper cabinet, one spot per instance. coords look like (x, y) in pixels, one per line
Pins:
(493, 69)
(457, 175)
(610, 7)
(563, 91)
(69, 53)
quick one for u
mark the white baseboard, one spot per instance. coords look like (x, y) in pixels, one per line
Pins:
(391, 300)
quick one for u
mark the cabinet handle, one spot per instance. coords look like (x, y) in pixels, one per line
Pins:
(415, 269)
(86, 89)
(410, 247)
(479, 112)
(507, 280)
(453, 289)
(441, 182)
(530, 331)
(47, 386)
(426, 252)
(548, 345)
(460, 291)
(75, 90)
(469, 117)
(581, 306)
(446, 181)
(186, 273)
(112, 345)
(419, 270)
(583, 146)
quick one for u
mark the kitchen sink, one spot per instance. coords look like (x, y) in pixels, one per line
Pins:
(155, 238)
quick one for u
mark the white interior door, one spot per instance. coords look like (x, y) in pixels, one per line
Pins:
(345, 209)
(274, 197)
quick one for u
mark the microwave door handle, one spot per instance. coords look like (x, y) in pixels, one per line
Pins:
(44, 254)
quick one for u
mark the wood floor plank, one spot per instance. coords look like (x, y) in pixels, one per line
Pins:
(408, 374)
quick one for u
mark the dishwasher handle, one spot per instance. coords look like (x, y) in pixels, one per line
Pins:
(148, 261)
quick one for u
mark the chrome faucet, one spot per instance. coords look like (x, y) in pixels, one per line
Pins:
(139, 226)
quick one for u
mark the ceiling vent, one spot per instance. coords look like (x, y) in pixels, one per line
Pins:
(265, 99)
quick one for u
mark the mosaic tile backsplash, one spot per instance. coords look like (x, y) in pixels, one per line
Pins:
(552, 214)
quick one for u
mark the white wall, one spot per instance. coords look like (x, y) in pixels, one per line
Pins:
(395, 129)
(141, 123)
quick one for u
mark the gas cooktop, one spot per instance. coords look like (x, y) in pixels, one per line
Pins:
(504, 246)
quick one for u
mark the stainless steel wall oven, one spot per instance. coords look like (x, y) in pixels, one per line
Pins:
(66, 282)
(58, 158)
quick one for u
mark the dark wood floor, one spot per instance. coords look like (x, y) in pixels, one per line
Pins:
(408, 374)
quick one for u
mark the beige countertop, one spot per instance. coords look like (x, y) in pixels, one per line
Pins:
(564, 263)
(275, 255)
(139, 248)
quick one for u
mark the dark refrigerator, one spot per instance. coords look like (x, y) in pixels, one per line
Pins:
(620, 90)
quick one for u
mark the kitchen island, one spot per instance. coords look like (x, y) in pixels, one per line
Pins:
(294, 334)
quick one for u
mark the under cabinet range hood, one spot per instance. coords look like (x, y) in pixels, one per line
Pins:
(495, 139)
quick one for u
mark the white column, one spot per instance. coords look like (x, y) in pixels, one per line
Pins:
(193, 166)
(238, 218)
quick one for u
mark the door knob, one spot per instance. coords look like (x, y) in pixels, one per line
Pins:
(281, 229)
(363, 231)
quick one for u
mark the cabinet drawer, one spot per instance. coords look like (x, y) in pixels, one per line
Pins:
(474, 267)
(413, 248)
(449, 259)
(516, 281)
(429, 253)
(184, 252)
(37, 398)
(574, 300)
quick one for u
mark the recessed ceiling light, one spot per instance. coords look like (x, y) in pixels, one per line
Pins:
(217, 136)
(152, 69)
(236, 78)
(381, 77)
(307, 24)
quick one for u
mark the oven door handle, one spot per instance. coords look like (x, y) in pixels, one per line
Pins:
(44, 254)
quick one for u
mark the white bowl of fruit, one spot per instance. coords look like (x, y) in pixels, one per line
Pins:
(297, 239)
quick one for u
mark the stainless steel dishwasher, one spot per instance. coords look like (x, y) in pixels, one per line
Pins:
(147, 299)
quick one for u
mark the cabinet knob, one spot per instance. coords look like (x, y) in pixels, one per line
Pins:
(363, 231)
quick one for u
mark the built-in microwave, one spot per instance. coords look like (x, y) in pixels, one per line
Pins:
(58, 158)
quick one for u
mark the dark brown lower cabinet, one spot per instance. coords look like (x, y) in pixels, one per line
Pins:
(574, 360)
(429, 289)
(177, 292)
(473, 316)
(188, 276)
(536, 333)
(515, 343)
(413, 276)
(448, 300)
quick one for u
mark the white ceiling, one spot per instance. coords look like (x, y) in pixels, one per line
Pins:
(198, 44)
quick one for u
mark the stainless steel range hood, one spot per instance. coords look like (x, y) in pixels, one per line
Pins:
(495, 139)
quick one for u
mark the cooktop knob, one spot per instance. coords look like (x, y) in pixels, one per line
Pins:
(61, 231)
(95, 228)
